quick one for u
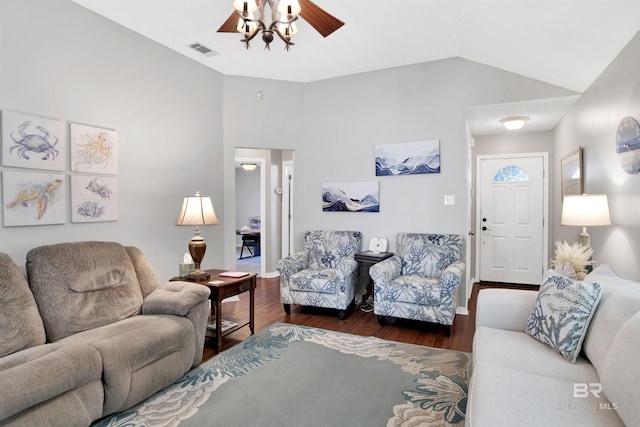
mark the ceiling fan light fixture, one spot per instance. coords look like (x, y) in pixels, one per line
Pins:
(514, 123)
(245, 6)
(247, 25)
(289, 7)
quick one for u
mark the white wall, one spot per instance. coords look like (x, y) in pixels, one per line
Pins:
(346, 117)
(592, 124)
(58, 59)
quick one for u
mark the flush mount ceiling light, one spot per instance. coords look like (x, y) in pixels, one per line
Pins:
(248, 166)
(514, 123)
(244, 21)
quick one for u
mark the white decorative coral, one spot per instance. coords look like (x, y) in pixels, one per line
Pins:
(571, 257)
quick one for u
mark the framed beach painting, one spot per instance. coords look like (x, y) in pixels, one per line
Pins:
(351, 196)
(571, 173)
(93, 149)
(94, 198)
(33, 198)
(31, 141)
(408, 158)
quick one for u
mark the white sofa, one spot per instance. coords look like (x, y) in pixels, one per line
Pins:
(518, 381)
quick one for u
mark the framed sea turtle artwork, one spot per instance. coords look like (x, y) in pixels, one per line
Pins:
(32, 141)
(94, 198)
(33, 198)
(93, 149)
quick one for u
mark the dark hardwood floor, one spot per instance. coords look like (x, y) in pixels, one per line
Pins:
(269, 310)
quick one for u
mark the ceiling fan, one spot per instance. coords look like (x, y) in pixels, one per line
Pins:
(243, 20)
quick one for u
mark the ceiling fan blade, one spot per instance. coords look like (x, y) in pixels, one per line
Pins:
(230, 24)
(318, 18)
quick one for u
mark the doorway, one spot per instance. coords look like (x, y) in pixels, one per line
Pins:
(274, 167)
(512, 217)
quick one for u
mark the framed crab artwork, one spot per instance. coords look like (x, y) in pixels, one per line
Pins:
(93, 149)
(33, 198)
(31, 141)
(94, 198)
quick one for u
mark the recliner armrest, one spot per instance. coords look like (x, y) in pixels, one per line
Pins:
(506, 309)
(387, 270)
(453, 274)
(175, 298)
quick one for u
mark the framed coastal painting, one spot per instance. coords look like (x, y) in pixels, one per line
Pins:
(33, 198)
(93, 149)
(628, 145)
(408, 158)
(351, 196)
(32, 141)
(94, 198)
(571, 173)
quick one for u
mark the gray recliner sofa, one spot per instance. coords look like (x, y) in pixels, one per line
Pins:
(91, 333)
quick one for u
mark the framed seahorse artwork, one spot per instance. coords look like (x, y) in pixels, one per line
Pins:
(31, 141)
(93, 149)
(94, 198)
(33, 198)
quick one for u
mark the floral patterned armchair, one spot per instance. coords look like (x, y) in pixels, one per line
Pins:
(324, 274)
(421, 281)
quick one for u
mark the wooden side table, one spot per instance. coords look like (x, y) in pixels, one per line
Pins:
(365, 261)
(227, 288)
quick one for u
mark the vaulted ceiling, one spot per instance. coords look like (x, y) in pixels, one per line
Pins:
(567, 43)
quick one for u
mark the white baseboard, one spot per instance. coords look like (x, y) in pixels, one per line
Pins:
(463, 311)
(271, 275)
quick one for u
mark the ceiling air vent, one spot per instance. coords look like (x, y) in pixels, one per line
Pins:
(203, 49)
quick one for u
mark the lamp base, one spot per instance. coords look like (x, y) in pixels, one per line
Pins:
(198, 275)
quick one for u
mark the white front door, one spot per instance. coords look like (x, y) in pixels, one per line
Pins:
(511, 221)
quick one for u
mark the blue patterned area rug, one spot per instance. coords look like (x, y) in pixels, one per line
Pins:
(291, 375)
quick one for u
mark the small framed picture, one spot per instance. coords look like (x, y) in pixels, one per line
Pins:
(33, 198)
(571, 173)
(31, 141)
(93, 149)
(94, 198)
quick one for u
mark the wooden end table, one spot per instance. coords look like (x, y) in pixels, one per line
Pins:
(228, 287)
(365, 261)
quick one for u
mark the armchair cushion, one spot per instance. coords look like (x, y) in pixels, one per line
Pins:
(327, 248)
(321, 280)
(175, 298)
(428, 254)
(415, 289)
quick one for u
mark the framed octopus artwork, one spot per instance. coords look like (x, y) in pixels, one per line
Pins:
(93, 149)
(31, 141)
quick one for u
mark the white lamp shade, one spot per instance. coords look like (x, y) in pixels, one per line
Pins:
(587, 210)
(197, 210)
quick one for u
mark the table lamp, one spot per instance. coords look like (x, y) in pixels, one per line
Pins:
(586, 210)
(197, 210)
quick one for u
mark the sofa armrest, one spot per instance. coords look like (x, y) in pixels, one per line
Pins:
(190, 300)
(506, 309)
(175, 298)
(387, 270)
